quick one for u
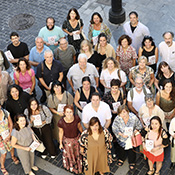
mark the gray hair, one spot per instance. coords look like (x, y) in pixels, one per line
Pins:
(47, 51)
(142, 58)
(38, 37)
(82, 55)
(138, 78)
(149, 97)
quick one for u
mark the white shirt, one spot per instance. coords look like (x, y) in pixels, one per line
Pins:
(168, 54)
(138, 99)
(103, 113)
(107, 77)
(138, 34)
(76, 74)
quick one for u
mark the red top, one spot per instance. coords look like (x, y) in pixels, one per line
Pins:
(70, 129)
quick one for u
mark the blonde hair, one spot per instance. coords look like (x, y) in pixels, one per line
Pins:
(86, 42)
(142, 58)
(105, 63)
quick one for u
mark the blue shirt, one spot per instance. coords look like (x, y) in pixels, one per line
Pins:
(56, 33)
(36, 56)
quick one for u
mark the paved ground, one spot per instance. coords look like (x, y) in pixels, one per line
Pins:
(158, 15)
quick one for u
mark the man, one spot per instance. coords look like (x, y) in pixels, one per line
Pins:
(51, 34)
(136, 30)
(48, 71)
(66, 55)
(17, 48)
(37, 52)
(98, 109)
(80, 70)
(136, 96)
(167, 49)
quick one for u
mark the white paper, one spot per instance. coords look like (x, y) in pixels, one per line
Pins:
(115, 105)
(9, 55)
(128, 143)
(146, 121)
(51, 40)
(149, 145)
(61, 107)
(5, 134)
(152, 59)
(95, 40)
(27, 90)
(128, 131)
(50, 85)
(37, 121)
(76, 36)
(83, 103)
(34, 146)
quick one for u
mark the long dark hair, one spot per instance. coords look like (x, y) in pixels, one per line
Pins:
(26, 62)
(172, 93)
(16, 118)
(92, 17)
(164, 64)
(92, 122)
(76, 11)
(160, 122)
(10, 88)
(148, 38)
(56, 83)
(29, 108)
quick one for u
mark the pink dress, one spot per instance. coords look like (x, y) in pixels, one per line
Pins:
(25, 81)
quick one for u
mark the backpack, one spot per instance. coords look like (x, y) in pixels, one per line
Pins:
(132, 92)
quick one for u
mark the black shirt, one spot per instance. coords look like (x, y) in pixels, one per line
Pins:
(17, 106)
(132, 28)
(95, 59)
(18, 51)
(49, 75)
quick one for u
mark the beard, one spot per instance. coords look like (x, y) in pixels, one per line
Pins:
(50, 28)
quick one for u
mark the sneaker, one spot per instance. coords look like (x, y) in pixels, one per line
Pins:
(43, 156)
(52, 157)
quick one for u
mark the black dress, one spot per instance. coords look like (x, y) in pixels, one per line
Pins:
(83, 97)
(148, 54)
(76, 43)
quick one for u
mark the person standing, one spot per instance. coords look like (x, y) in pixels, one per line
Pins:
(136, 30)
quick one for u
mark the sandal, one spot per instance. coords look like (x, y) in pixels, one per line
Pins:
(120, 163)
(131, 166)
(35, 168)
(4, 171)
(157, 173)
(15, 160)
(150, 172)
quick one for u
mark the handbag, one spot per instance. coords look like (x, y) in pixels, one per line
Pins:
(84, 36)
(41, 147)
(136, 139)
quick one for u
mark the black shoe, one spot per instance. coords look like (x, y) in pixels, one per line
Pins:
(171, 165)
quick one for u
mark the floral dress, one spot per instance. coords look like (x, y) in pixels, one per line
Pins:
(4, 147)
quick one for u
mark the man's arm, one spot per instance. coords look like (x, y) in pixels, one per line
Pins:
(33, 63)
(132, 108)
(44, 84)
(60, 76)
(71, 84)
(107, 124)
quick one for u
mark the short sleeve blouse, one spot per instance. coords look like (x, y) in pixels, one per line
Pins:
(70, 129)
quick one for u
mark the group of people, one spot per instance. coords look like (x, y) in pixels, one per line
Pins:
(95, 100)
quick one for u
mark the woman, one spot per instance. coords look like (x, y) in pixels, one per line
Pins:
(83, 94)
(150, 51)
(5, 82)
(164, 73)
(41, 126)
(6, 125)
(4, 63)
(25, 76)
(124, 125)
(143, 71)
(94, 141)
(22, 138)
(69, 128)
(93, 57)
(172, 133)
(57, 100)
(165, 99)
(126, 54)
(111, 69)
(150, 109)
(157, 137)
(17, 100)
(104, 49)
(96, 27)
(73, 26)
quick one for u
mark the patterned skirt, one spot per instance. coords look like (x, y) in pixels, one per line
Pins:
(72, 159)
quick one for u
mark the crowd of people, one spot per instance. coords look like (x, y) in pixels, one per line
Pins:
(97, 103)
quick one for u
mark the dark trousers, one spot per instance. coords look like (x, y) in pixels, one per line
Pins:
(130, 153)
(45, 135)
